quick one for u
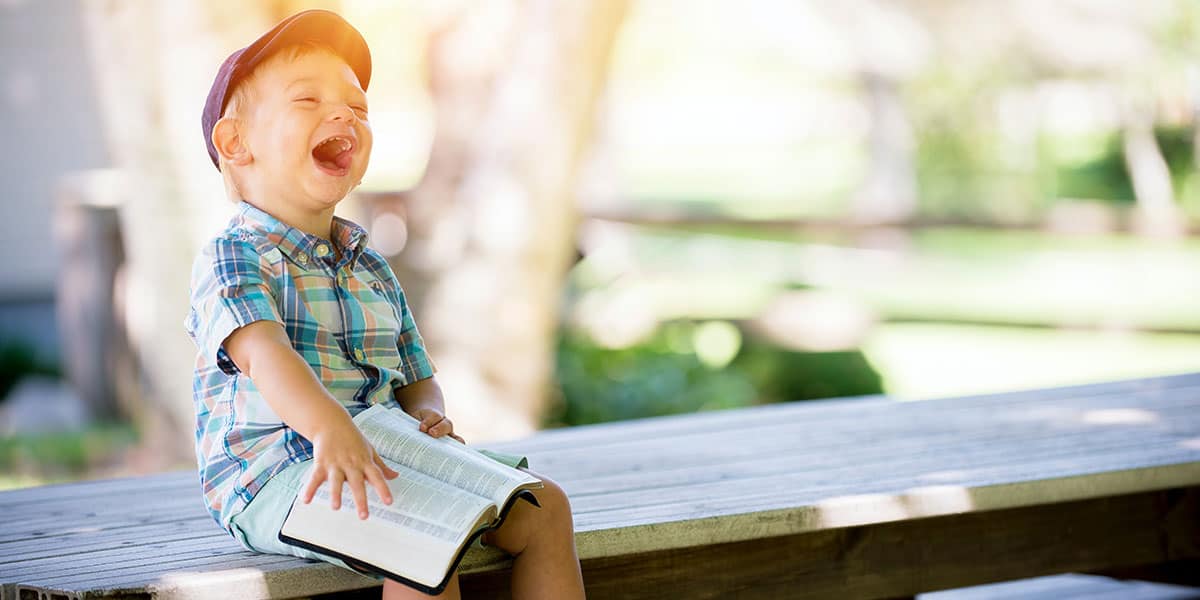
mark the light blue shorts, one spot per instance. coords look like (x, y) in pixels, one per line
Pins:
(257, 526)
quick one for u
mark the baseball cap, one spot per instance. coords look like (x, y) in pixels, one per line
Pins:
(317, 25)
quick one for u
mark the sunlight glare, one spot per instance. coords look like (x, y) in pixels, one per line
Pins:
(1118, 416)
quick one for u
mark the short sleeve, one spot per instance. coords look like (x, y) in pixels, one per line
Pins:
(414, 359)
(232, 286)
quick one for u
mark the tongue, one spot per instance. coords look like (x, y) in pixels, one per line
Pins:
(342, 160)
(327, 156)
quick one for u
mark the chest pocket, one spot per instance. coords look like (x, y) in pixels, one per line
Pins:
(321, 298)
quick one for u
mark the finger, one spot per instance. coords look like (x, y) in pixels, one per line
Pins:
(433, 427)
(335, 488)
(314, 482)
(456, 436)
(388, 472)
(443, 428)
(375, 477)
(359, 490)
(429, 419)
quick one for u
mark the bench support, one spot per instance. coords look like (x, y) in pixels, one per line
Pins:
(907, 557)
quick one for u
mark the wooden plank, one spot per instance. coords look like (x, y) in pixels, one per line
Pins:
(659, 475)
(915, 454)
(834, 465)
(710, 479)
(896, 420)
(96, 517)
(729, 521)
(111, 559)
(147, 484)
(200, 525)
(120, 541)
(614, 433)
(891, 559)
(145, 574)
(1068, 587)
(1057, 462)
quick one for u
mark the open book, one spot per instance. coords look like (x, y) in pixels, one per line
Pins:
(446, 495)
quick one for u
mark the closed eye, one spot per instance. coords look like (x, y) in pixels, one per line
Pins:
(306, 99)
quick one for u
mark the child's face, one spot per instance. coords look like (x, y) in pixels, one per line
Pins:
(307, 130)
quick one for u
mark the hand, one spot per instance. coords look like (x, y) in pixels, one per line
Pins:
(342, 455)
(435, 423)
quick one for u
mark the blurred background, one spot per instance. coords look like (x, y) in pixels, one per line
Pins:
(610, 209)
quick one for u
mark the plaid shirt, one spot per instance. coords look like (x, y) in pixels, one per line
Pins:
(348, 319)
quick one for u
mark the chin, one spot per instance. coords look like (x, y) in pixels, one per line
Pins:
(331, 190)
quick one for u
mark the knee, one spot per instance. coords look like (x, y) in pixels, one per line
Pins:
(554, 501)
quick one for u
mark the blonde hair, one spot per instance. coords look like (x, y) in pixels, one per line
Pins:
(242, 98)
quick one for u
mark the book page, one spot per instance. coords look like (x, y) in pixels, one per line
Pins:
(417, 536)
(419, 502)
(396, 436)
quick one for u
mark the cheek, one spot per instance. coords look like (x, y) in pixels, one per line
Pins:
(367, 141)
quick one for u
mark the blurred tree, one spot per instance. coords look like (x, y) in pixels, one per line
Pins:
(1157, 214)
(516, 85)
(890, 46)
(491, 225)
(153, 63)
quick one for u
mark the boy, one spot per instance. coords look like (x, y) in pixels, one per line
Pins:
(300, 325)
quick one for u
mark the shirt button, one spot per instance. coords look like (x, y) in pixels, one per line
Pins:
(302, 259)
(322, 250)
(358, 353)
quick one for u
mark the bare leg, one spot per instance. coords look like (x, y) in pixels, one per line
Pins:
(394, 590)
(543, 543)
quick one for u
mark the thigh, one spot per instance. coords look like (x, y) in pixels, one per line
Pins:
(257, 526)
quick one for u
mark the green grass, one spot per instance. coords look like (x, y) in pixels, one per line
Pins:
(36, 459)
(1015, 278)
(955, 308)
(921, 361)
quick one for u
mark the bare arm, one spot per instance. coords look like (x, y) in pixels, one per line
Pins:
(263, 351)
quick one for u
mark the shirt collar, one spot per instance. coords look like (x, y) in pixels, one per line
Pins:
(304, 248)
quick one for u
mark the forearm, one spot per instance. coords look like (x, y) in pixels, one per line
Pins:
(425, 393)
(285, 380)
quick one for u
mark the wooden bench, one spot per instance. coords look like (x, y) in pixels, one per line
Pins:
(847, 498)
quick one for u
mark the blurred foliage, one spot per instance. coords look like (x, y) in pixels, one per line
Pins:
(54, 455)
(18, 359)
(661, 376)
(1104, 176)
(1100, 177)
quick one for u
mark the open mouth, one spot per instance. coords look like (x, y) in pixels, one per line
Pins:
(333, 155)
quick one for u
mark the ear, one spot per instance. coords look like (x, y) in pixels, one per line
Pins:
(227, 139)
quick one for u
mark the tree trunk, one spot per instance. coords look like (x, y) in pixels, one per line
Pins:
(146, 57)
(888, 194)
(1156, 214)
(490, 227)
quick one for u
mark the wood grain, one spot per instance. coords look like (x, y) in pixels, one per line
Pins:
(722, 498)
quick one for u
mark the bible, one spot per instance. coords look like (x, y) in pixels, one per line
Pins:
(447, 495)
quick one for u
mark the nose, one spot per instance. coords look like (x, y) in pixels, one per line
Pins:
(341, 112)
